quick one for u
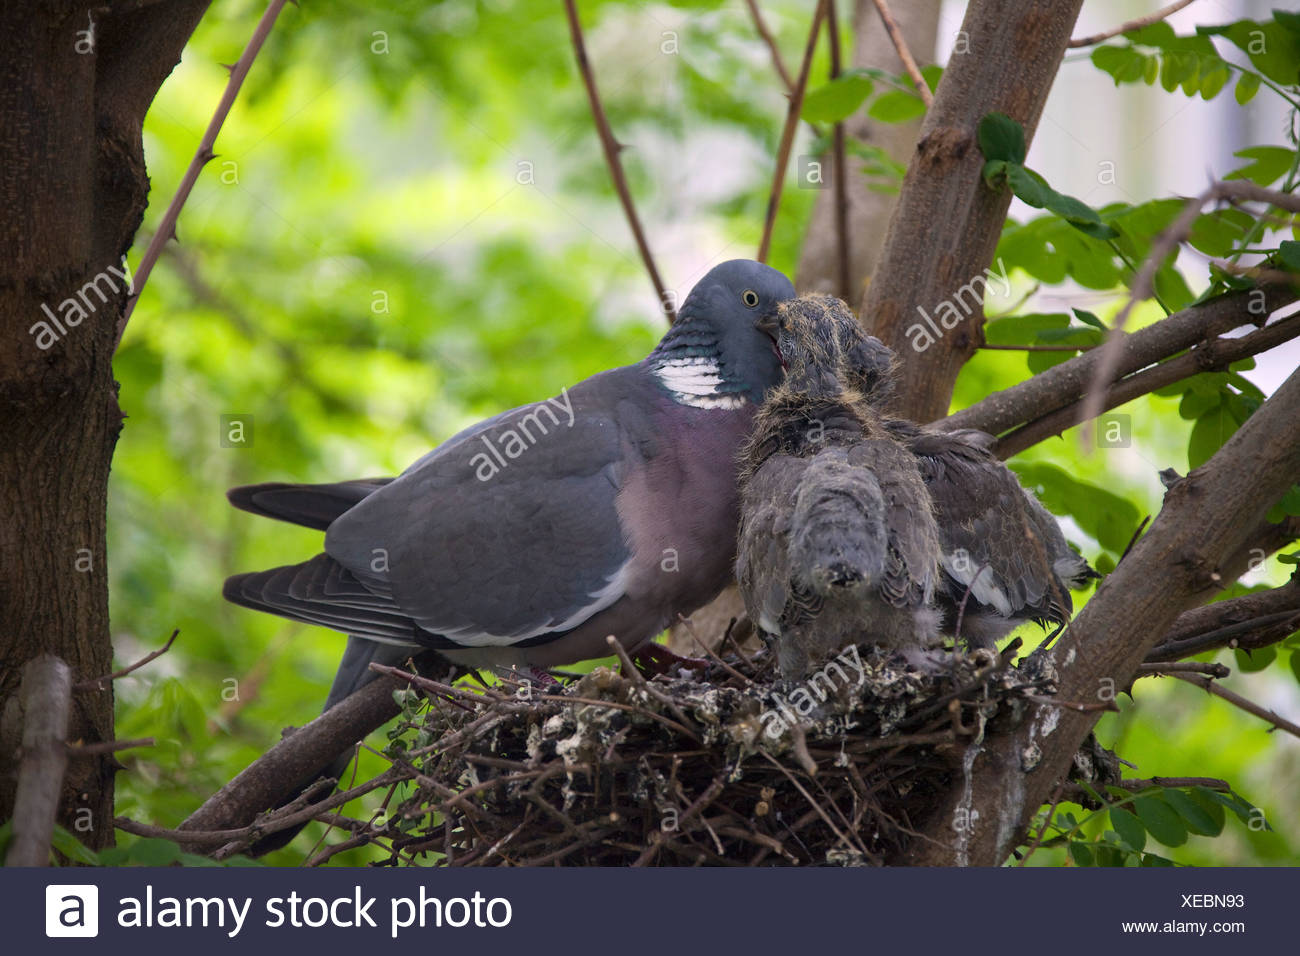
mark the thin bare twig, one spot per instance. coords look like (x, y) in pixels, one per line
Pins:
(108, 747)
(761, 26)
(1182, 667)
(1135, 24)
(1249, 706)
(904, 54)
(611, 147)
(101, 683)
(787, 133)
(839, 169)
(202, 156)
(1143, 284)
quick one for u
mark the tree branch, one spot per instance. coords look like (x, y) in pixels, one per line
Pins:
(1135, 24)
(1249, 706)
(904, 54)
(611, 148)
(1248, 622)
(202, 156)
(1206, 517)
(948, 221)
(788, 131)
(1063, 384)
(46, 695)
(1143, 285)
(1211, 356)
(297, 759)
(839, 170)
(761, 26)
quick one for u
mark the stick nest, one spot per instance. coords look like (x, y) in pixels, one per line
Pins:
(729, 766)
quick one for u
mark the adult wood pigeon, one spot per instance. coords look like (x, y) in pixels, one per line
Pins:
(1004, 558)
(837, 540)
(528, 538)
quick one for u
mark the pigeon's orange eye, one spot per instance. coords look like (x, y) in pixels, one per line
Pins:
(749, 297)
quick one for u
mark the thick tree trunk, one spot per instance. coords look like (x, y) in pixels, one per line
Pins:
(947, 221)
(75, 81)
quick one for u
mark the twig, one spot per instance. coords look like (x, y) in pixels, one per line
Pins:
(904, 54)
(639, 680)
(1249, 706)
(1135, 24)
(202, 156)
(717, 659)
(1035, 348)
(101, 683)
(1143, 283)
(107, 747)
(611, 148)
(1047, 821)
(1182, 667)
(787, 133)
(1213, 355)
(839, 169)
(761, 26)
(1210, 783)
(1061, 385)
(46, 701)
(1279, 626)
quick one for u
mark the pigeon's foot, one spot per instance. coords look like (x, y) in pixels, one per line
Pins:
(657, 659)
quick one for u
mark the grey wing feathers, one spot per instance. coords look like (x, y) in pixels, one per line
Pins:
(998, 539)
(763, 560)
(312, 506)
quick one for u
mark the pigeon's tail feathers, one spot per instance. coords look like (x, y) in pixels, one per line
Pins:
(312, 506)
(323, 592)
(839, 539)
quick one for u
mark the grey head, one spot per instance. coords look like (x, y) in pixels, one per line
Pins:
(728, 321)
(825, 348)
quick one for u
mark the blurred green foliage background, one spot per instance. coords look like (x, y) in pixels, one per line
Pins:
(409, 227)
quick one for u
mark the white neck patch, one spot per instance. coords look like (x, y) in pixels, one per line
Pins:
(695, 381)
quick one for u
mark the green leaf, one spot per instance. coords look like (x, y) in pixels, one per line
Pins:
(1001, 137)
(1208, 435)
(1295, 664)
(1247, 87)
(1196, 817)
(1129, 828)
(1273, 48)
(1196, 403)
(1205, 799)
(1081, 853)
(896, 106)
(149, 851)
(1123, 63)
(1029, 187)
(836, 100)
(1249, 662)
(1289, 505)
(1083, 315)
(1023, 329)
(1288, 254)
(1160, 820)
(1268, 164)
